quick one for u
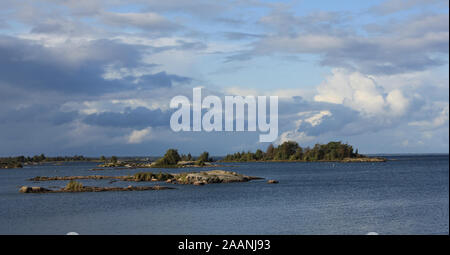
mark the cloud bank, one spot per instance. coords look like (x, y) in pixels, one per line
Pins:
(96, 77)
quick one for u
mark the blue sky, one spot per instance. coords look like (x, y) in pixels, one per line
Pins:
(96, 77)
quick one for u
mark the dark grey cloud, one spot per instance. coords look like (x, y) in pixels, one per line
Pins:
(137, 118)
(29, 65)
(44, 113)
(77, 69)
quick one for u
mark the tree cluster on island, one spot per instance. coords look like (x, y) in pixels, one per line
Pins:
(172, 158)
(291, 151)
(113, 159)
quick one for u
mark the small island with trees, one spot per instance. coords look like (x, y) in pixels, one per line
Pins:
(291, 151)
(172, 159)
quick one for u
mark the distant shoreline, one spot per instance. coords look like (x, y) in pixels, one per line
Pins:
(12, 163)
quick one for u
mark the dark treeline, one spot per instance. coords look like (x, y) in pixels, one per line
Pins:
(15, 162)
(172, 158)
(292, 151)
(204, 157)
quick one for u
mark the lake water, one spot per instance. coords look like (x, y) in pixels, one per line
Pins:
(409, 195)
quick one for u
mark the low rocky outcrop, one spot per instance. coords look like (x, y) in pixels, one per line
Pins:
(70, 178)
(205, 177)
(138, 177)
(364, 159)
(26, 189)
(133, 165)
(195, 164)
(214, 176)
(10, 165)
(272, 181)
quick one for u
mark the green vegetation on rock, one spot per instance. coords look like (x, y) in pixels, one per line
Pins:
(171, 158)
(187, 157)
(291, 151)
(149, 176)
(74, 186)
(204, 157)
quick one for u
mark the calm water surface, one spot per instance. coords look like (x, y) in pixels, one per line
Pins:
(409, 195)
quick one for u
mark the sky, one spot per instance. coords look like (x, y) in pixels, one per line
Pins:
(96, 77)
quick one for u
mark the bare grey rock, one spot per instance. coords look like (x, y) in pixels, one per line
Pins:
(213, 176)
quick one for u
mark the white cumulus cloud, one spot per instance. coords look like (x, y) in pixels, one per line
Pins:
(361, 93)
(139, 136)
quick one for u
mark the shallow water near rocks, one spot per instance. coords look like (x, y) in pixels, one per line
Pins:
(409, 195)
